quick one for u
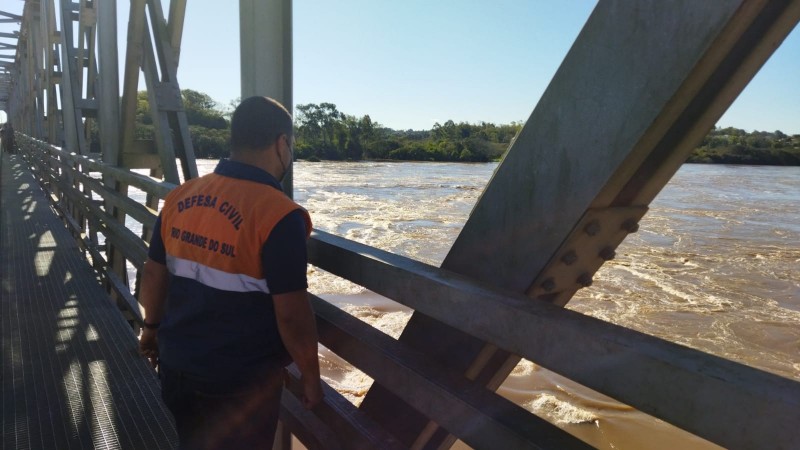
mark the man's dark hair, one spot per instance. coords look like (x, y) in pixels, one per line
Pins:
(258, 122)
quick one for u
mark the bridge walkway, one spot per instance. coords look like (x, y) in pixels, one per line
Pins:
(71, 376)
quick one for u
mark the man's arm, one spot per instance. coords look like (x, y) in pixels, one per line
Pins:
(153, 297)
(284, 262)
(298, 330)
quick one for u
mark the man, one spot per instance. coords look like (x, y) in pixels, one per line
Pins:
(7, 138)
(224, 290)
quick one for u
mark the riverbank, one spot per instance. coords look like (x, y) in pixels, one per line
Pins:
(740, 154)
(720, 146)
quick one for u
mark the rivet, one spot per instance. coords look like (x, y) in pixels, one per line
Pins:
(592, 228)
(548, 284)
(630, 225)
(569, 258)
(585, 279)
(608, 254)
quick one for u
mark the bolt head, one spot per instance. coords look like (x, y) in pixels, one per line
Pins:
(585, 279)
(592, 228)
(630, 225)
(607, 254)
(548, 284)
(569, 258)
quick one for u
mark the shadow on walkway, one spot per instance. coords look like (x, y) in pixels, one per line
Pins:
(71, 376)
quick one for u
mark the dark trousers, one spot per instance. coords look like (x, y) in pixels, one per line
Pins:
(213, 415)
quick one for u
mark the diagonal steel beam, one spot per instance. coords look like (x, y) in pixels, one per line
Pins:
(168, 68)
(155, 56)
(71, 89)
(50, 40)
(177, 14)
(10, 17)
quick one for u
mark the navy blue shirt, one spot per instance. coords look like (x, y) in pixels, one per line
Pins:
(223, 335)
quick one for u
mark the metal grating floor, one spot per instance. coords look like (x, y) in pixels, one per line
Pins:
(71, 376)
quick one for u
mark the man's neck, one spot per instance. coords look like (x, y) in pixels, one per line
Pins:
(261, 159)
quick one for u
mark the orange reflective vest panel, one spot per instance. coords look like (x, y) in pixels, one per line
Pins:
(214, 227)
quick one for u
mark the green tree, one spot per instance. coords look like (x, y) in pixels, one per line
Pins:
(201, 110)
(322, 130)
(736, 146)
(143, 115)
(228, 110)
(207, 126)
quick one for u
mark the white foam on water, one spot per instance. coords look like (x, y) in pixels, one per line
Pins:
(389, 322)
(347, 380)
(321, 283)
(559, 411)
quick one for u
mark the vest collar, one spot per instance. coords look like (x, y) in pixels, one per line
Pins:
(242, 171)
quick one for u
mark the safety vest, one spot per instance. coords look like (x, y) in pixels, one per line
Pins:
(213, 229)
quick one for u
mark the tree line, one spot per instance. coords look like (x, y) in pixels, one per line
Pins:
(322, 132)
(736, 146)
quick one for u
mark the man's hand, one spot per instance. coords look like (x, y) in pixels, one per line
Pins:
(298, 329)
(153, 296)
(312, 391)
(148, 346)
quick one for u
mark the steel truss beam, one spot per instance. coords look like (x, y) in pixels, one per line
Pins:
(55, 92)
(57, 83)
(150, 49)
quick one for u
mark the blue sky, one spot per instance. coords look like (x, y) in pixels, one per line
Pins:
(412, 63)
